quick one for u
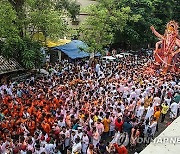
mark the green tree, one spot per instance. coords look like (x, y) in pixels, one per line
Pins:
(95, 30)
(129, 21)
(18, 6)
(46, 16)
(137, 34)
(43, 18)
(31, 55)
(25, 51)
(104, 20)
(20, 19)
(176, 11)
(69, 6)
(7, 21)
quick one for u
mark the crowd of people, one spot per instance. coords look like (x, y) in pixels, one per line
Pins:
(87, 108)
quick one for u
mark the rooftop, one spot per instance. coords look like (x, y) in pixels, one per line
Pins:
(10, 65)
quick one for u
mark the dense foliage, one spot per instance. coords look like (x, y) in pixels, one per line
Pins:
(104, 20)
(126, 23)
(122, 22)
(21, 19)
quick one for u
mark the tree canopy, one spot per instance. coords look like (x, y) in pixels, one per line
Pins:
(122, 22)
(126, 23)
(21, 19)
(103, 22)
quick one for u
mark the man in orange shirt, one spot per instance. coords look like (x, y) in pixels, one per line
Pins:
(157, 116)
(46, 127)
(31, 126)
(106, 122)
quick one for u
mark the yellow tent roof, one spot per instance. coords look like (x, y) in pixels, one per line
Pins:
(50, 43)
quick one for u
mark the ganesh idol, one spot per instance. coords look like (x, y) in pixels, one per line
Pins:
(167, 48)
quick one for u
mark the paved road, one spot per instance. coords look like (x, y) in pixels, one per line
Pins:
(161, 127)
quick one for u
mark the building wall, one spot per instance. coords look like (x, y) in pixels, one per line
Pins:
(83, 15)
(85, 3)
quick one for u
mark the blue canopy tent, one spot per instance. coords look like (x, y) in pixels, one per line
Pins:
(74, 49)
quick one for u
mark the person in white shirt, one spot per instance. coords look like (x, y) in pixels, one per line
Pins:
(97, 68)
(153, 126)
(61, 122)
(79, 133)
(4, 148)
(140, 111)
(30, 145)
(96, 137)
(133, 94)
(138, 92)
(126, 91)
(67, 138)
(121, 88)
(144, 94)
(50, 147)
(122, 107)
(37, 148)
(157, 101)
(76, 148)
(9, 90)
(43, 150)
(112, 125)
(73, 136)
(141, 99)
(150, 112)
(23, 127)
(85, 142)
(117, 76)
(174, 110)
(128, 99)
(168, 100)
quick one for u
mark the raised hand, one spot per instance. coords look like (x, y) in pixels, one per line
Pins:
(152, 28)
(156, 33)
